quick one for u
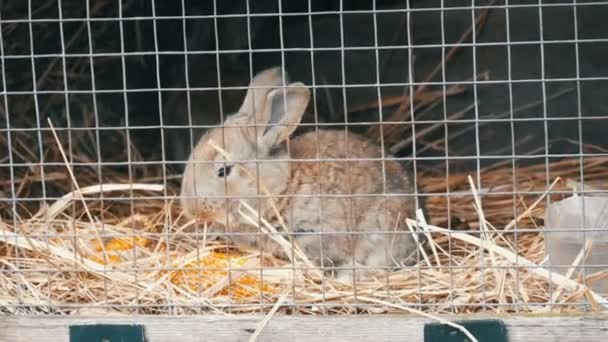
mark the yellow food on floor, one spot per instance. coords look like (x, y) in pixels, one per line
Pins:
(196, 276)
(213, 268)
(121, 244)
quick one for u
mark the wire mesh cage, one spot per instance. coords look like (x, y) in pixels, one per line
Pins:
(310, 157)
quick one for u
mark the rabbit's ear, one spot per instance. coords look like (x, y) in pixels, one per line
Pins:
(259, 87)
(282, 113)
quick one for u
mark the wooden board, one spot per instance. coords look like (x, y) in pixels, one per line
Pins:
(298, 328)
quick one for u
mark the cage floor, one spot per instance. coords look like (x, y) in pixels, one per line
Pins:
(132, 252)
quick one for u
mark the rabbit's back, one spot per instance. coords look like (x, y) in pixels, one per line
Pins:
(338, 184)
(346, 163)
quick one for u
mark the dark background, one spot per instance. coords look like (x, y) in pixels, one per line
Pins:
(546, 112)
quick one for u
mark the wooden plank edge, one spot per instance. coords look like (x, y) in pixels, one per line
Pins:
(280, 328)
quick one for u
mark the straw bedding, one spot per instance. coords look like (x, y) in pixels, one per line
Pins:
(133, 252)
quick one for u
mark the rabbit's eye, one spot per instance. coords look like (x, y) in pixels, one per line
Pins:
(224, 171)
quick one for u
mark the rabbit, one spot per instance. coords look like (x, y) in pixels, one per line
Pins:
(320, 201)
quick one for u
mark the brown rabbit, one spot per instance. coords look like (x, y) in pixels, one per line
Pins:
(336, 191)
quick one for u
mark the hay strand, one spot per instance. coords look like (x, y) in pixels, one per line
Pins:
(56, 261)
(518, 260)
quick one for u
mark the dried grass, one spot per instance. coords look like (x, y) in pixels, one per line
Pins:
(507, 191)
(146, 262)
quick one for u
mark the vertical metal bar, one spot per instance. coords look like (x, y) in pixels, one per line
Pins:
(447, 152)
(579, 113)
(127, 129)
(11, 163)
(96, 128)
(477, 143)
(222, 118)
(382, 146)
(544, 101)
(318, 154)
(513, 154)
(38, 118)
(411, 82)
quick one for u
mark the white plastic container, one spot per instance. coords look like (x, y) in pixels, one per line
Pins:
(568, 225)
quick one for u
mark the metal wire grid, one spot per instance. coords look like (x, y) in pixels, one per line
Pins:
(409, 84)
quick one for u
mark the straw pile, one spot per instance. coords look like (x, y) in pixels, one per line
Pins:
(138, 254)
(509, 191)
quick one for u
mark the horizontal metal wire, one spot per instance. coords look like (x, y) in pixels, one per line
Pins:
(310, 13)
(315, 125)
(487, 157)
(223, 232)
(293, 303)
(309, 49)
(124, 268)
(450, 194)
(345, 86)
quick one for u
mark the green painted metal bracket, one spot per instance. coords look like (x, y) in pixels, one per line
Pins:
(107, 333)
(483, 330)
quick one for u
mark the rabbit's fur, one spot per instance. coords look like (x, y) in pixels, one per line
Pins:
(356, 230)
